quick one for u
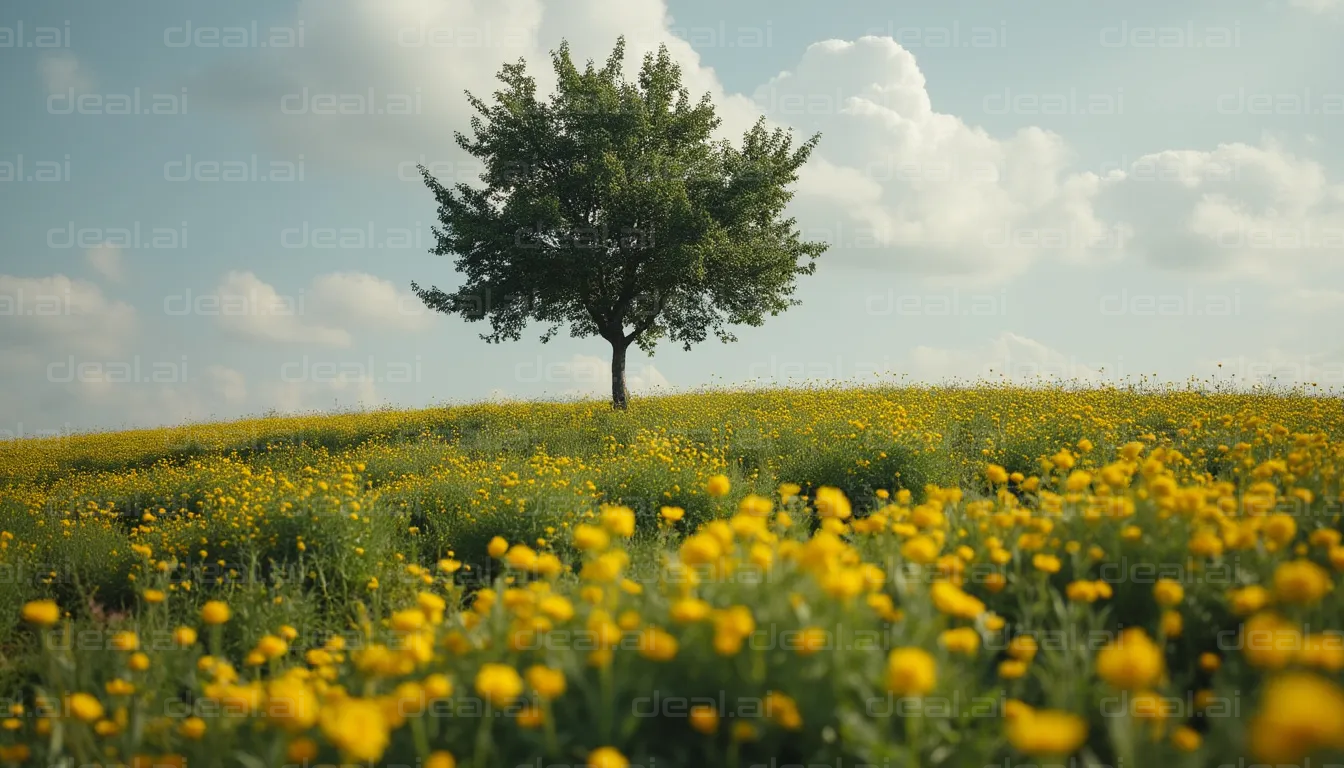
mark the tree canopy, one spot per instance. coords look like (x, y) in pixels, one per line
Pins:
(609, 208)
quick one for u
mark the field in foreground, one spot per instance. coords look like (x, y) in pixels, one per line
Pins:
(826, 577)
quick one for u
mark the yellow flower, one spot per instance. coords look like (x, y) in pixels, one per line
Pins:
(1248, 600)
(1012, 669)
(1300, 713)
(964, 640)
(1172, 623)
(1047, 733)
(498, 684)
(357, 727)
(1301, 582)
(920, 549)
(590, 538)
(125, 641)
(1023, 648)
(718, 486)
(1081, 591)
(192, 728)
(1269, 641)
(521, 557)
(1168, 593)
(619, 521)
(497, 547)
(609, 757)
(783, 710)
(951, 600)
(215, 612)
(744, 731)
(832, 503)
(1186, 739)
(996, 474)
(1130, 662)
(531, 717)
(119, 687)
(811, 640)
(291, 704)
(1323, 651)
(704, 719)
(911, 672)
(657, 645)
(272, 647)
(672, 514)
(154, 596)
(688, 610)
(184, 636)
(1279, 528)
(440, 759)
(1046, 563)
(43, 613)
(301, 750)
(83, 706)
(556, 607)
(547, 682)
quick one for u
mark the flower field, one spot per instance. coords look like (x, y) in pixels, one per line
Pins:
(962, 576)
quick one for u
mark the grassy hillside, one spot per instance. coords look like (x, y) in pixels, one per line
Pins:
(714, 579)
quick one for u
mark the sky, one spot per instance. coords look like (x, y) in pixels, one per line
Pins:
(211, 210)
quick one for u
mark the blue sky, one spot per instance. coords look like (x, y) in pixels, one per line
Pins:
(1052, 190)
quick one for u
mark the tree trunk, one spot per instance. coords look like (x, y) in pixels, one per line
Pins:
(619, 398)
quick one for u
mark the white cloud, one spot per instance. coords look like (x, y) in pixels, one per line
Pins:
(1238, 209)
(226, 383)
(422, 55)
(62, 72)
(253, 309)
(362, 299)
(894, 183)
(898, 183)
(1007, 357)
(106, 260)
(45, 316)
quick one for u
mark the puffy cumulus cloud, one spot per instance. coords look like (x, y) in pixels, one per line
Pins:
(327, 313)
(251, 308)
(43, 317)
(380, 83)
(62, 72)
(364, 300)
(896, 182)
(1235, 210)
(106, 260)
(1007, 357)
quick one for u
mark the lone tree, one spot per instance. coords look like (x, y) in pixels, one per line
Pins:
(609, 209)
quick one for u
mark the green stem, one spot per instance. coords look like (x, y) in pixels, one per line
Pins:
(483, 738)
(552, 745)
(421, 738)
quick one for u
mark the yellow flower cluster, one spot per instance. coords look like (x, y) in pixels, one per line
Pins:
(970, 576)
